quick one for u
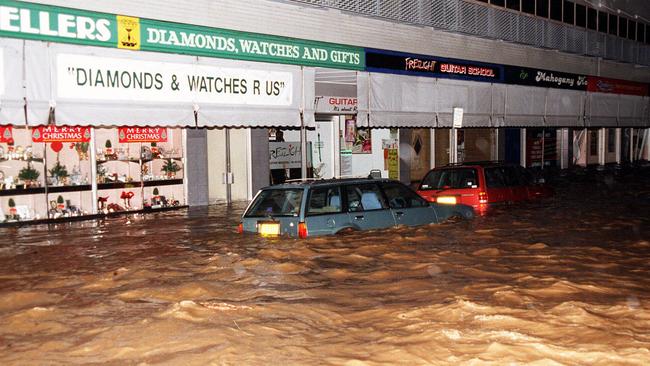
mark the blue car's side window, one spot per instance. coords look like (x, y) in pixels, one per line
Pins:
(324, 200)
(400, 196)
(364, 197)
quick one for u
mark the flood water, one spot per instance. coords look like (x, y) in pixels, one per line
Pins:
(565, 281)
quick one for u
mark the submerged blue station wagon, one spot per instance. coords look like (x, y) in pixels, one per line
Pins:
(324, 207)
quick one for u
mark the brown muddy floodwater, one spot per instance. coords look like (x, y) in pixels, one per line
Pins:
(563, 282)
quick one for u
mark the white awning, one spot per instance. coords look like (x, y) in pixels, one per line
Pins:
(524, 106)
(602, 110)
(564, 108)
(94, 86)
(274, 95)
(363, 90)
(12, 96)
(631, 111)
(402, 101)
(474, 97)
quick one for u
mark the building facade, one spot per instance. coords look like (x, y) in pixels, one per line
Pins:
(107, 107)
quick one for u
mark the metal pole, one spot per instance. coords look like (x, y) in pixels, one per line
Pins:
(303, 147)
(228, 175)
(453, 146)
(93, 170)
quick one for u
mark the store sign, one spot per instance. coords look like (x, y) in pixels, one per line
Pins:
(55, 24)
(214, 42)
(615, 86)
(284, 155)
(49, 23)
(102, 78)
(6, 135)
(142, 134)
(336, 105)
(421, 65)
(545, 78)
(61, 134)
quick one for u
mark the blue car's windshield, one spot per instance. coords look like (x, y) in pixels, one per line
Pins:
(276, 202)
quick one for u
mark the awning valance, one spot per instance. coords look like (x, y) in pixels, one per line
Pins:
(92, 86)
(12, 94)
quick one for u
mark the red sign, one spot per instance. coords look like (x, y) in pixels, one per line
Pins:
(6, 135)
(606, 85)
(142, 134)
(61, 134)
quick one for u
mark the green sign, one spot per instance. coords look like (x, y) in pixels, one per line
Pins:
(55, 24)
(203, 41)
(52, 24)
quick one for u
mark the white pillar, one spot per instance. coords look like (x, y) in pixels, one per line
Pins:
(522, 147)
(453, 146)
(618, 146)
(563, 147)
(432, 149)
(602, 148)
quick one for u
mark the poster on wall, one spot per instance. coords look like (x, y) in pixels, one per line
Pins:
(393, 163)
(287, 155)
(6, 135)
(357, 139)
(61, 134)
(142, 134)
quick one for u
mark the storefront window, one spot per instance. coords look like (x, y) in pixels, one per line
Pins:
(67, 161)
(139, 168)
(46, 171)
(22, 176)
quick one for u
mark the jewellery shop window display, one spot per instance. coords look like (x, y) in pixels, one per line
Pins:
(22, 176)
(139, 168)
(67, 169)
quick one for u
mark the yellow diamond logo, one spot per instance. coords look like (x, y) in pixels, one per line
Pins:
(128, 32)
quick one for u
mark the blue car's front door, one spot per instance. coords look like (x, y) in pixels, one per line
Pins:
(366, 207)
(325, 214)
(407, 207)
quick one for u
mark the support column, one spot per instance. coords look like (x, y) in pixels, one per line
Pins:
(522, 149)
(453, 146)
(405, 155)
(563, 147)
(618, 146)
(196, 166)
(602, 147)
(432, 145)
(259, 166)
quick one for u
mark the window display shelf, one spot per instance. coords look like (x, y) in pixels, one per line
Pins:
(32, 160)
(21, 191)
(163, 182)
(137, 161)
(149, 183)
(62, 189)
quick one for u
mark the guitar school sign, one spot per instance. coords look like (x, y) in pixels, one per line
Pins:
(429, 66)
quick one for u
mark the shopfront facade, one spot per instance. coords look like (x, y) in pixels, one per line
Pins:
(129, 114)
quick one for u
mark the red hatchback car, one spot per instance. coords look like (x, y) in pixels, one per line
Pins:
(481, 184)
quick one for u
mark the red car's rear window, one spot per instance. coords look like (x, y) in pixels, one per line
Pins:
(456, 178)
